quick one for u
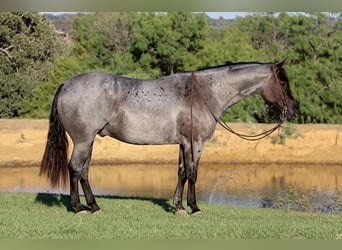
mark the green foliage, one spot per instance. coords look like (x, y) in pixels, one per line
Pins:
(28, 47)
(151, 45)
(167, 43)
(66, 67)
(99, 38)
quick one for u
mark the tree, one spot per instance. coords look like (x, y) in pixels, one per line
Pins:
(167, 43)
(28, 47)
(101, 37)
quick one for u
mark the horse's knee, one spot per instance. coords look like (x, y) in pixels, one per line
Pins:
(182, 174)
(192, 176)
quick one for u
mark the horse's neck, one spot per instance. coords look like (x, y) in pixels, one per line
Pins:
(226, 89)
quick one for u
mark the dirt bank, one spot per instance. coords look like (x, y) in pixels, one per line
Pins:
(22, 143)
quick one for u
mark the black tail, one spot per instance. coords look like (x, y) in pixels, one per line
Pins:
(55, 159)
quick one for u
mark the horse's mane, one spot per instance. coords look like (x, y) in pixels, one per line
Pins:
(231, 64)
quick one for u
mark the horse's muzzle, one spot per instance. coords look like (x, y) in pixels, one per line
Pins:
(293, 111)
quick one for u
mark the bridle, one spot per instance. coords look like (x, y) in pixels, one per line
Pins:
(220, 121)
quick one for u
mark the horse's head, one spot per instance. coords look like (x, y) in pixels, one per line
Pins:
(278, 93)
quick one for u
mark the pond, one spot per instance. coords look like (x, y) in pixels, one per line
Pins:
(299, 187)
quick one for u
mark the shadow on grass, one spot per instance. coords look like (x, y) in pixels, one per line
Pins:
(64, 200)
(52, 200)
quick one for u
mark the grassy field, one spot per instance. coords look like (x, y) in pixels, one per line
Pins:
(48, 216)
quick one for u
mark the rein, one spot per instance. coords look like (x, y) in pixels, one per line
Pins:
(220, 121)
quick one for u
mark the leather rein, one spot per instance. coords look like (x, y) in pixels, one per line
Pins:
(220, 121)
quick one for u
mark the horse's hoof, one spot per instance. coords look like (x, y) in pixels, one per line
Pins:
(81, 212)
(182, 212)
(199, 212)
(97, 212)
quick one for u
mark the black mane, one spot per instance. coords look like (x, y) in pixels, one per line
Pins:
(232, 64)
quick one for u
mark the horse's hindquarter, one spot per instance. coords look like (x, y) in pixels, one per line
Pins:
(84, 104)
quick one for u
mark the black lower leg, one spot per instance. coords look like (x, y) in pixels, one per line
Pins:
(178, 196)
(89, 195)
(191, 198)
(74, 195)
(193, 155)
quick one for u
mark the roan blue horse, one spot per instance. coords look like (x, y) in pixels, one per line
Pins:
(182, 108)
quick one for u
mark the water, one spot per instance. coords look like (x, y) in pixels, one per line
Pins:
(238, 185)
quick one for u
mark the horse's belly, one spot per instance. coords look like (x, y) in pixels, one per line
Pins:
(142, 131)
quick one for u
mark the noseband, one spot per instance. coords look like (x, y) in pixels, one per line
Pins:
(220, 121)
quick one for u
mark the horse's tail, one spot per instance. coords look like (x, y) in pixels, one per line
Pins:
(55, 159)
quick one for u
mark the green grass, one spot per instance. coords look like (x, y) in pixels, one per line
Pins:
(48, 216)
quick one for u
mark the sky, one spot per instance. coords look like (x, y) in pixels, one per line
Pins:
(226, 15)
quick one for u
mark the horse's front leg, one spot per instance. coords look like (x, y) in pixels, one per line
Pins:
(192, 157)
(178, 196)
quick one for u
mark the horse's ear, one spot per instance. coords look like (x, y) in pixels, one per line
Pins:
(281, 64)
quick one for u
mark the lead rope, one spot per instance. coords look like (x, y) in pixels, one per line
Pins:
(257, 136)
(227, 127)
(191, 124)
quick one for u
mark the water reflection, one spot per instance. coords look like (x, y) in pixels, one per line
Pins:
(242, 185)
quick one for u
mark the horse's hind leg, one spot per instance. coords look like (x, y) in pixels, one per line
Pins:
(74, 194)
(87, 190)
(78, 170)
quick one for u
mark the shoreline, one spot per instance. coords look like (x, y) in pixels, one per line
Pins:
(22, 143)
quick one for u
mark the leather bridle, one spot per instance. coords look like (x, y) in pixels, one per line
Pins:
(220, 121)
